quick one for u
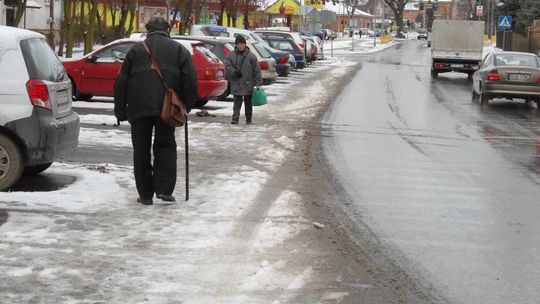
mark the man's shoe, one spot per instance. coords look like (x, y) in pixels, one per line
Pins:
(145, 201)
(234, 122)
(166, 197)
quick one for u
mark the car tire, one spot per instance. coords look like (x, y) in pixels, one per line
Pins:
(11, 163)
(474, 95)
(36, 169)
(434, 74)
(484, 98)
(77, 95)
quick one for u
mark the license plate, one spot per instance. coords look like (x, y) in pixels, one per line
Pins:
(62, 97)
(456, 65)
(519, 77)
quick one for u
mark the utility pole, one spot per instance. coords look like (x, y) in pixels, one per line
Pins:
(51, 23)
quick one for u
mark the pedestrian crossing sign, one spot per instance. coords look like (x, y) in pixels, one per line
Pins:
(505, 22)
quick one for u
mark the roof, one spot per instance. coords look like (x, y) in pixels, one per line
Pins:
(10, 36)
(341, 10)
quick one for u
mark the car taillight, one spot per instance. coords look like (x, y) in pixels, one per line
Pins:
(263, 65)
(38, 93)
(538, 80)
(302, 45)
(439, 65)
(284, 59)
(209, 74)
(493, 75)
(226, 51)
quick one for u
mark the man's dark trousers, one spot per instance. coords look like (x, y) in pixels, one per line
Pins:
(238, 105)
(161, 177)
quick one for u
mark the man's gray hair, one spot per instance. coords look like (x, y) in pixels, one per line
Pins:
(157, 23)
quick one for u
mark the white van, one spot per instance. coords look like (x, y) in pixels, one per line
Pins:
(37, 123)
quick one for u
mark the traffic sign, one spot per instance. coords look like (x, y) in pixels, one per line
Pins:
(479, 10)
(505, 22)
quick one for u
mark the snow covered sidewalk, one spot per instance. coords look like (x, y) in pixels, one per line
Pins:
(245, 235)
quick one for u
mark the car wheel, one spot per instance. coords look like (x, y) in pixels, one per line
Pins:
(484, 98)
(434, 74)
(36, 169)
(11, 162)
(77, 95)
(474, 95)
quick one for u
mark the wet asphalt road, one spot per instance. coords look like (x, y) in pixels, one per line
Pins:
(450, 188)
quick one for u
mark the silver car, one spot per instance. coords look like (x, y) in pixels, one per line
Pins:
(37, 123)
(507, 75)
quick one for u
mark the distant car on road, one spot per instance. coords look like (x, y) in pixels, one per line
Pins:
(508, 75)
(37, 123)
(422, 34)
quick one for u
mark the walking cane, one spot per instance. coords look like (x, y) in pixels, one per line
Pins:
(187, 160)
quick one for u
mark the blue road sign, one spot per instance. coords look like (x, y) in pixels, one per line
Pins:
(505, 22)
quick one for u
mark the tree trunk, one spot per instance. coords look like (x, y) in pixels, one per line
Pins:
(186, 12)
(82, 22)
(62, 39)
(120, 29)
(132, 4)
(89, 41)
(21, 10)
(221, 12)
(67, 31)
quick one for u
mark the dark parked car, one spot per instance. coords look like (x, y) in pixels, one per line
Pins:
(508, 75)
(288, 45)
(283, 68)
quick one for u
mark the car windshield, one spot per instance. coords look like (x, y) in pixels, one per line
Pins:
(516, 60)
(114, 52)
(41, 61)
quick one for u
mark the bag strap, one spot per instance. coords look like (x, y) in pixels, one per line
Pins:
(154, 63)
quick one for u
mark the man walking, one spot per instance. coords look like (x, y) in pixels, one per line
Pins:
(138, 98)
(244, 73)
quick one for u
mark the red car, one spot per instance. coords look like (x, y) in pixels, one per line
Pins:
(95, 73)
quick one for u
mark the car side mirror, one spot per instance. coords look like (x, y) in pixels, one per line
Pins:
(91, 58)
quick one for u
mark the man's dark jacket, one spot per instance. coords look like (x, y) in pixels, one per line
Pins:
(138, 91)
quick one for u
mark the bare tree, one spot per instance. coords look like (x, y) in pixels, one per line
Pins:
(92, 16)
(67, 29)
(21, 8)
(123, 5)
(232, 8)
(397, 7)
